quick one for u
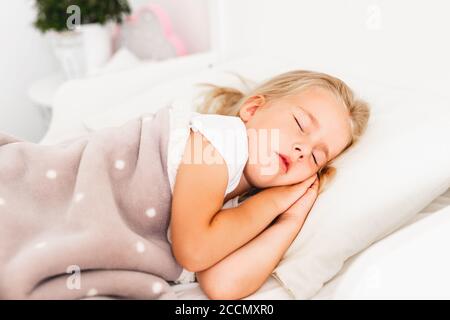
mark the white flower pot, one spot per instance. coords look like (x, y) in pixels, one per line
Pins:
(84, 51)
(97, 46)
(68, 49)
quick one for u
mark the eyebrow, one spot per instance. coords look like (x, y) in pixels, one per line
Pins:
(316, 124)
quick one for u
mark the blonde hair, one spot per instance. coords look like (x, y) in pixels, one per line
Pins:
(228, 101)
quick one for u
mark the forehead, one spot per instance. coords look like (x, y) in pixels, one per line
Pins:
(317, 99)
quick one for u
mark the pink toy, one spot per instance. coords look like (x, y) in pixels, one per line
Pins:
(148, 34)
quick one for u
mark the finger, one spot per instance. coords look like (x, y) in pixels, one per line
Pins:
(315, 185)
(306, 183)
(292, 193)
(300, 189)
(306, 201)
(302, 206)
(311, 192)
(311, 179)
(303, 186)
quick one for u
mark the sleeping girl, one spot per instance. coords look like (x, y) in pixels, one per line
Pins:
(215, 196)
(276, 143)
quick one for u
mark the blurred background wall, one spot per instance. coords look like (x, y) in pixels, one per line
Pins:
(396, 41)
(26, 56)
(403, 42)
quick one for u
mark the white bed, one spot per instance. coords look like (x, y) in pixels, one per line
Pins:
(74, 107)
(386, 269)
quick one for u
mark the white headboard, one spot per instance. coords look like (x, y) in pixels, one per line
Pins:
(398, 41)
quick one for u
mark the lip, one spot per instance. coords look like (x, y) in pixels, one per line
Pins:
(284, 161)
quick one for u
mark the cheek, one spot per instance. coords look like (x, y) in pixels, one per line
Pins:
(253, 176)
(268, 139)
(262, 146)
(259, 176)
(301, 173)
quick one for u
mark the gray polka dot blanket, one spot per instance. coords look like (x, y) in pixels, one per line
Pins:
(88, 217)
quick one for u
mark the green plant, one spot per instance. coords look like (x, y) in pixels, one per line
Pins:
(53, 15)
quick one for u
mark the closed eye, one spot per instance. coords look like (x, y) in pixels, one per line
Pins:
(298, 124)
(314, 157)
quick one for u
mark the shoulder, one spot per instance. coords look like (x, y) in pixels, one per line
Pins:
(219, 129)
(225, 131)
(228, 135)
(213, 144)
(216, 121)
(200, 151)
(201, 179)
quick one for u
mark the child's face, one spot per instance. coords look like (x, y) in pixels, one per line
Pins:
(287, 136)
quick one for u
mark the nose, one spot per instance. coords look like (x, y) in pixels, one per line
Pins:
(301, 151)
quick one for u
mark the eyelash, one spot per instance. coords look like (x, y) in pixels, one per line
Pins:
(315, 161)
(298, 124)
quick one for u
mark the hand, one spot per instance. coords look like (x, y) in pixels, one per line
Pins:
(286, 196)
(298, 212)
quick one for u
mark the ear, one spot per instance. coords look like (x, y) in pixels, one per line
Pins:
(248, 109)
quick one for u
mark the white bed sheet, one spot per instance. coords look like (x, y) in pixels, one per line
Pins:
(271, 290)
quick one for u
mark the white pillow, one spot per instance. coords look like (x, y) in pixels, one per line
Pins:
(412, 263)
(397, 168)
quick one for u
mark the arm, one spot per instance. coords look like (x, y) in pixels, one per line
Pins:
(245, 270)
(202, 233)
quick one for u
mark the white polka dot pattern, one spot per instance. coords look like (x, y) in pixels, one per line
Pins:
(51, 174)
(157, 287)
(40, 245)
(78, 197)
(140, 247)
(119, 164)
(92, 292)
(150, 212)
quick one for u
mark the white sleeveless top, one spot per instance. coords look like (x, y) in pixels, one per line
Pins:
(228, 136)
